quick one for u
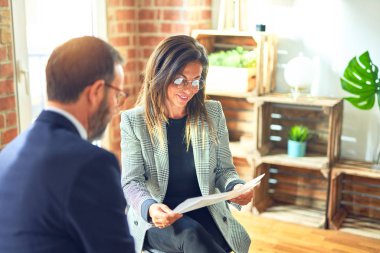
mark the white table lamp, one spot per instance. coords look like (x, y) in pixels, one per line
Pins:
(299, 74)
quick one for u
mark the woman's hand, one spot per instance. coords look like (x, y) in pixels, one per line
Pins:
(162, 216)
(244, 198)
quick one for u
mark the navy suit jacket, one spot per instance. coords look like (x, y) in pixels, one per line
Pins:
(59, 193)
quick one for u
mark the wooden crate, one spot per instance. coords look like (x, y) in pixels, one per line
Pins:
(277, 113)
(239, 113)
(292, 194)
(265, 45)
(355, 198)
(239, 116)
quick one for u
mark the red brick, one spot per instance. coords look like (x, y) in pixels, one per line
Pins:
(147, 52)
(6, 70)
(144, 3)
(125, 15)
(6, 87)
(11, 120)
(130, 66)
(146, 14)
(127, 2)
(3, 54)
(175, 28)
(172, 15)
(4, 3)
(7, 103)
(206, 14)
(8, 135)
(120, 41)
(10, 52)
(150, 40)
(148, 28)
(2, 121)
(168, 2)
(131, 54)
(124, 28)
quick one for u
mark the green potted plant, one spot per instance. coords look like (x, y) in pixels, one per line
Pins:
(361, 78)
(298, 136)
(232, 70)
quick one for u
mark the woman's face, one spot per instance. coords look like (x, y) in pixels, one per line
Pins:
(179, 95)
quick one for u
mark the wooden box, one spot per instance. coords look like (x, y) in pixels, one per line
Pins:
(239, 113)
(265, 46)
(291, 194)
(355, 198)
(277, 113)
(295, 189)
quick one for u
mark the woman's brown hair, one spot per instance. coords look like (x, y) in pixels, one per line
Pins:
(167, 60)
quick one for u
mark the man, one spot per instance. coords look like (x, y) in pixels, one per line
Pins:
(58, 192)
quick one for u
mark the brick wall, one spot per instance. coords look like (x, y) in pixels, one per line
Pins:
(135, 27)
(8, 116)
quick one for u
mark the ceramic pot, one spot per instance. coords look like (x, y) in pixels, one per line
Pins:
(296, 149)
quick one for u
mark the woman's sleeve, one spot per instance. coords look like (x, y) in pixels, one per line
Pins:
(133, 169)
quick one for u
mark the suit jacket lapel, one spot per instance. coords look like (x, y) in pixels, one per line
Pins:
(161, 158)
(201, 156)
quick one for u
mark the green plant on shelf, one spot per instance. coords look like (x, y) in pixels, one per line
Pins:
(299, 133)
(361, 78)
(237, 57)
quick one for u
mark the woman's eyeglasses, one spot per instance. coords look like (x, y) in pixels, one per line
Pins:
(120, 96)
(194, 85)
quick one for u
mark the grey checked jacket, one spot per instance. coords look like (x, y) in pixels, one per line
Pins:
(146, 171)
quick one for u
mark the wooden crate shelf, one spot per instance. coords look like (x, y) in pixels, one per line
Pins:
(311, 161)
(277, 113)
(355, 198)
(262, 78)
(239, 113)
(297, 195)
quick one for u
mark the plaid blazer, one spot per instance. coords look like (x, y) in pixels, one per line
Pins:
(145, 172)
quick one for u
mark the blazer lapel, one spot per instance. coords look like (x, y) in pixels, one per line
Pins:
(161, 158)
(201, 156)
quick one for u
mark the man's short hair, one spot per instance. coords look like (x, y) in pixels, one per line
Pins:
(78, 63)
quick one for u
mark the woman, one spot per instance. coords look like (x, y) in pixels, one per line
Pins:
(174, 147)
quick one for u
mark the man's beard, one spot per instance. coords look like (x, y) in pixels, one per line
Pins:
(99, 121)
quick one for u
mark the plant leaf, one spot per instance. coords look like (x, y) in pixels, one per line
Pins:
(364, 103)
(360, 78)
(352, 88)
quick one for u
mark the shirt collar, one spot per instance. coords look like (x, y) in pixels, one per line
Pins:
(82, 131)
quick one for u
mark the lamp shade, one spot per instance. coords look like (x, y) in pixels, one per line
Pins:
(299, 72)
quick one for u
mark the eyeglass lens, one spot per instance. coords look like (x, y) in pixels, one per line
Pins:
(182, 82)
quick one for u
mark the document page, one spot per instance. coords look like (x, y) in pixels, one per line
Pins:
(202, 201)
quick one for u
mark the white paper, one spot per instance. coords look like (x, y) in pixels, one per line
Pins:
(202, 201)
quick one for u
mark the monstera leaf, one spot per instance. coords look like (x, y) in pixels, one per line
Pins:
(361, 78)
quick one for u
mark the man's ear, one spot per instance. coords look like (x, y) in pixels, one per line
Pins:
(96, 92)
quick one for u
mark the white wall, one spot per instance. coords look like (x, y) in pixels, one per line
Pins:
(331, 32)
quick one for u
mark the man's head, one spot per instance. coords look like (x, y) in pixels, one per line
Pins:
(85, 73)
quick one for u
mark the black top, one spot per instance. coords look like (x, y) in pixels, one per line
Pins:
(183, 182)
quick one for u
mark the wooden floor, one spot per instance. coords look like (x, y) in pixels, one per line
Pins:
(269, 235)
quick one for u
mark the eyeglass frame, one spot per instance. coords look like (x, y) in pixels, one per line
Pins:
(184, 83)
(120, 96)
